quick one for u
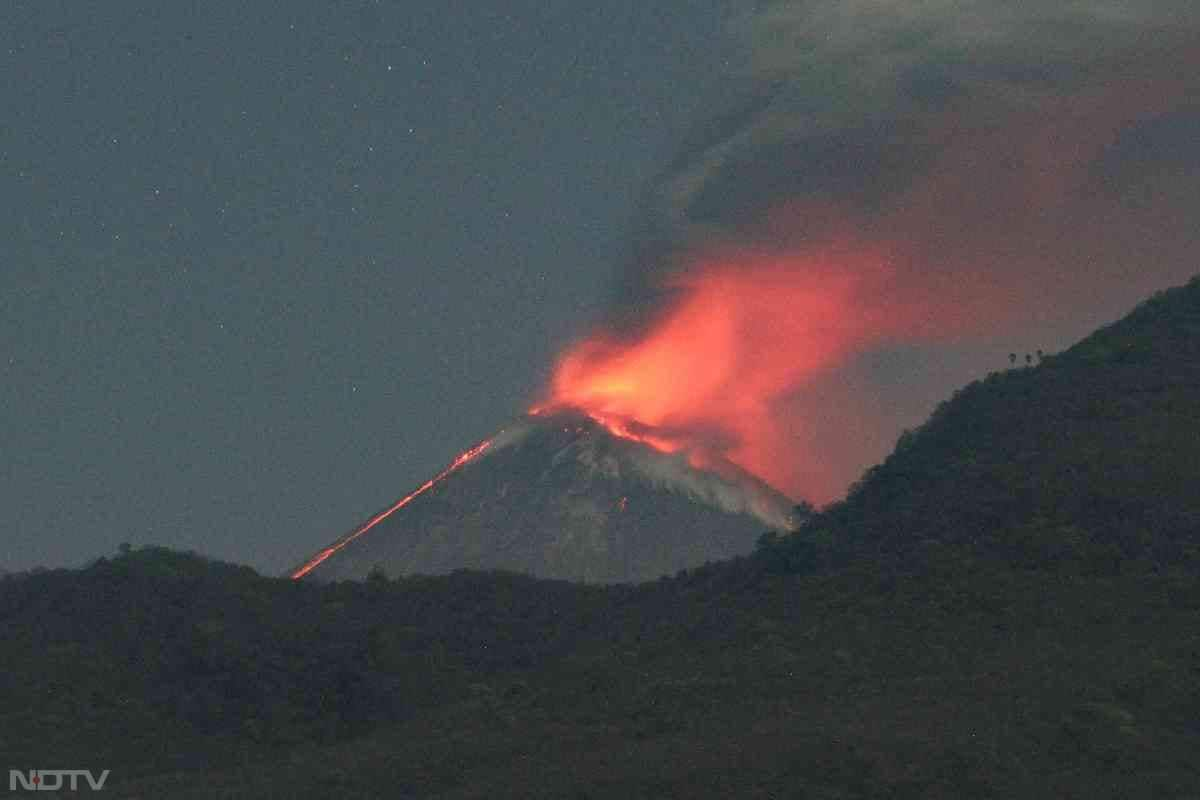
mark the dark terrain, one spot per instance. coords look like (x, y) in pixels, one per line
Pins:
(1009, 606)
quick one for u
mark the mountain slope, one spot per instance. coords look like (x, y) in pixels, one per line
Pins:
(557, 496)
(1091, 457)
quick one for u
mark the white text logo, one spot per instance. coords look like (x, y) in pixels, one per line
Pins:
(51, 780)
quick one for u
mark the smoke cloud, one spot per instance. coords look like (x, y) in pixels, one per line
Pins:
(857, 109)
(958, 172)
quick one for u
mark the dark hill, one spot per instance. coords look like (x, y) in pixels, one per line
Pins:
(1091, 457)
(193, 662)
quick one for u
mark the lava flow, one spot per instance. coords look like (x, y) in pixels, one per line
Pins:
(739, 334)
(316, 560)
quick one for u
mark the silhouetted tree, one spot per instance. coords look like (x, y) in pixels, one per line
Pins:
(907, 437)
(802, 512)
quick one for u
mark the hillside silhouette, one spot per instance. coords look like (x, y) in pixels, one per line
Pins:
(1008, 606)
(1091, 458)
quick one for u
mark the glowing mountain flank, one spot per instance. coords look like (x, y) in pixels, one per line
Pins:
(560, 496)
(320, 557)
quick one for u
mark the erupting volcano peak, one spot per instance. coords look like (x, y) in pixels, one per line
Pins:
(558, 495)
(737, 334)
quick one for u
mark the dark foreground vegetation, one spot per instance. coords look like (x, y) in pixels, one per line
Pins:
(1009, 606)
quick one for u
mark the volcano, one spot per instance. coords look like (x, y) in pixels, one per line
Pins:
(557, 495)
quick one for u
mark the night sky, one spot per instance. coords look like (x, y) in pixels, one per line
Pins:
(268, 266)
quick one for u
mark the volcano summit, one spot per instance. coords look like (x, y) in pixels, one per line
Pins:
(557, 495)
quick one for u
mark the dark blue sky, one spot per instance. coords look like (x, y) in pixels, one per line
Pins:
(268, 265)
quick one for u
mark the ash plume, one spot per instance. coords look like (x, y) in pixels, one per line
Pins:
(853, 107)
(973, 169)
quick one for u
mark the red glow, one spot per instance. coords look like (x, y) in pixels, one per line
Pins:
(742, 333)
(320, 557)
(1003, 234)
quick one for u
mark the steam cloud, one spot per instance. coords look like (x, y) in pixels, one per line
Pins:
(1012, 163)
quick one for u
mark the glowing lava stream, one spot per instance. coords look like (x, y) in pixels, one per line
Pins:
(320, 557)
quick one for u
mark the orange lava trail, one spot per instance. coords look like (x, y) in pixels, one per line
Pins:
(320, 557)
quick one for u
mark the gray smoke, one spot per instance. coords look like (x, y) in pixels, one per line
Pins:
(1027, 171)
(851, 106)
